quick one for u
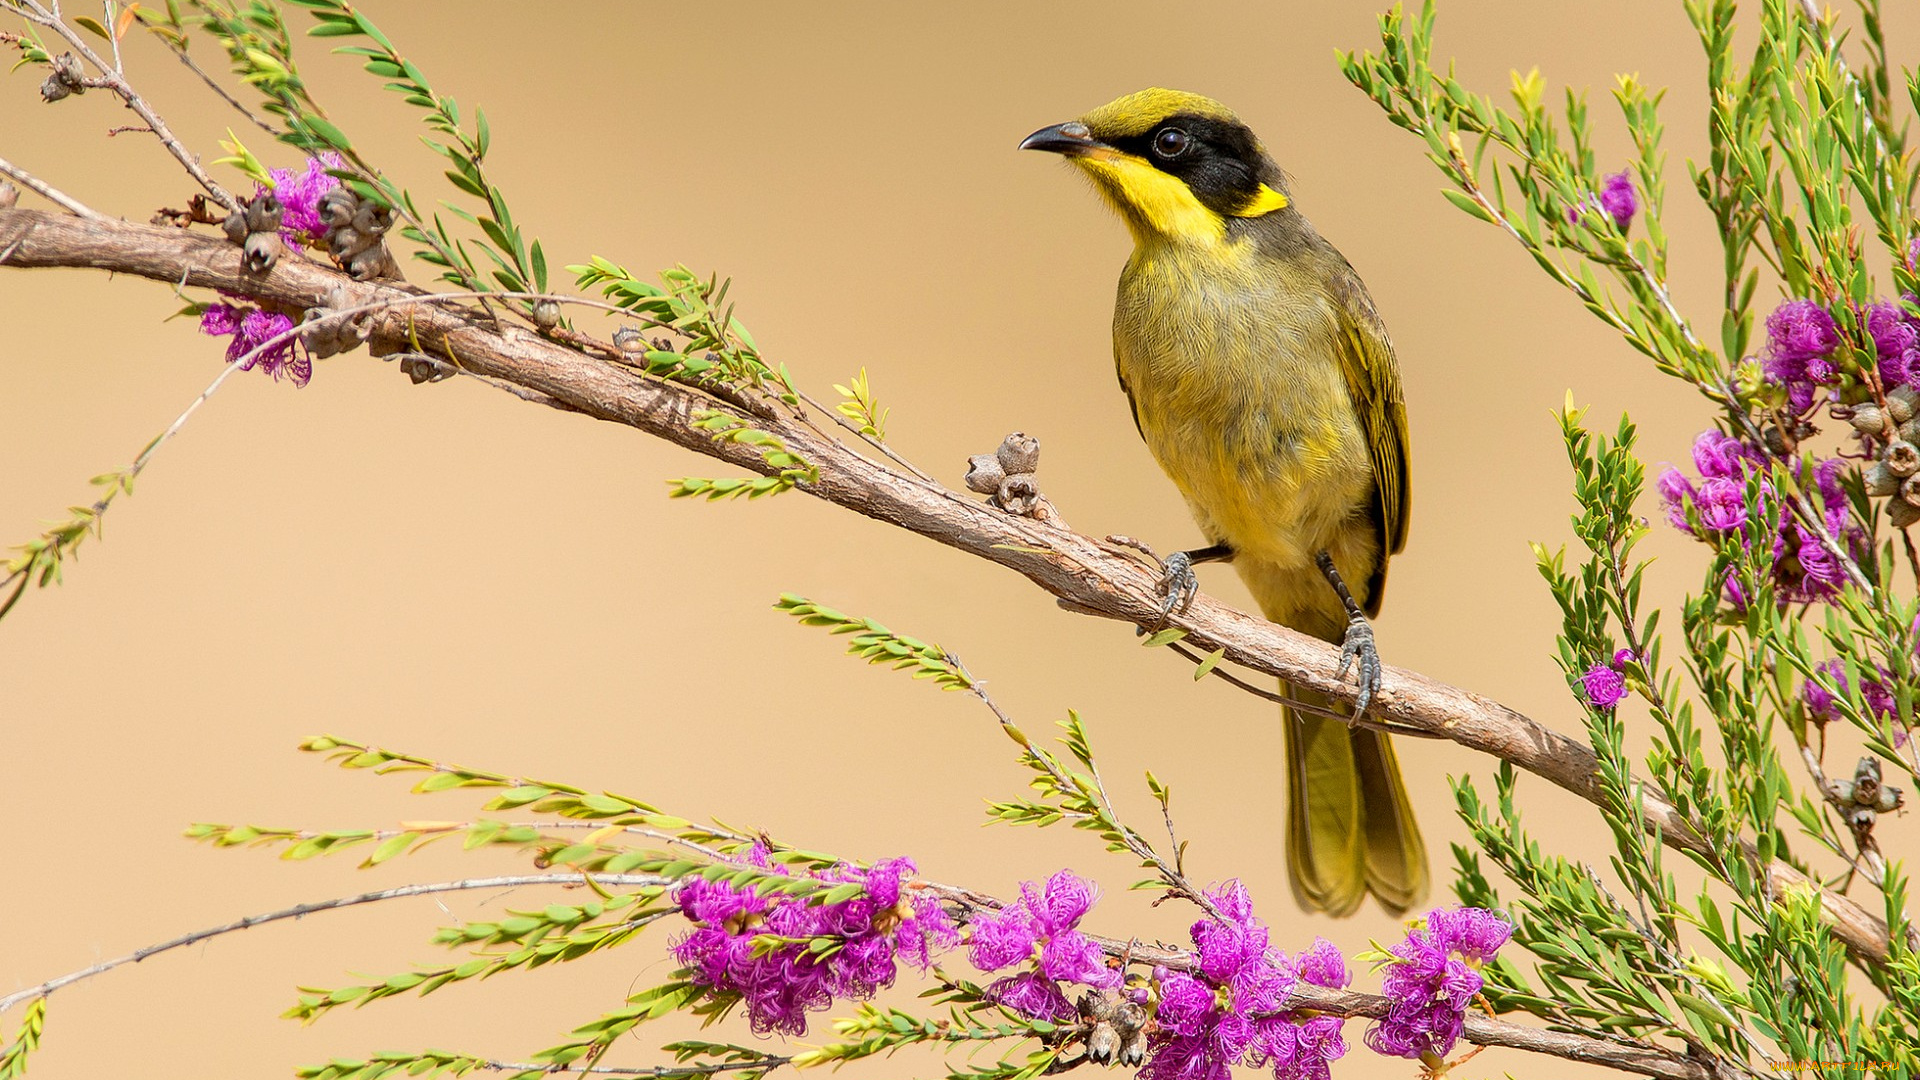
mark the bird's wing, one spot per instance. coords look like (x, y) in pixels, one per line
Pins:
(1132, 405)
(1373, 380)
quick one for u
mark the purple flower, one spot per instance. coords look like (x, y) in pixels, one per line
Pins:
(1896, 342)
(1031, 994)
(1045, 918)
(300, 193)
(1619, 200)
(219, 320)
(1801, 339)
(1604, 686)
(251, 328)
(1430, 980)
(1805, 565)
(872, 933)
(1874, 692)
(1231, 1008)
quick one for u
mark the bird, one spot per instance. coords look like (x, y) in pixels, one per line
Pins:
(1262, 379)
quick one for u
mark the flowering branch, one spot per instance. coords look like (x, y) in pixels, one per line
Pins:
(1082, 572)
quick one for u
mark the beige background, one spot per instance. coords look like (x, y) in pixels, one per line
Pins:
(452, 572)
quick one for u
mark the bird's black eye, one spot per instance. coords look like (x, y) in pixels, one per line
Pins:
(1170, 142)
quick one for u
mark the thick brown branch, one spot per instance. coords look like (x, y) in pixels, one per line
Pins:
(1079, 571)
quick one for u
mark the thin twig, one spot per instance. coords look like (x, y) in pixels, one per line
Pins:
(112, 79)
(664, 1072)
(46, 191)
(1175, 879)
(300, 910)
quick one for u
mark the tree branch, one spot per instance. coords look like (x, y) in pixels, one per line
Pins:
(1079, 571)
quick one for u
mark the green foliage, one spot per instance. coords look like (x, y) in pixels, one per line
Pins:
(13, 1058)
(716, 347)
(42, 560)
(879, 645)
(861, 408)
(1803, 160)
(872, 1031)
(792, 470)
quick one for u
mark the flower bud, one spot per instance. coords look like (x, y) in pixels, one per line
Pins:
(1868, 420)
(1880, 479)
(262, 250)
(264, 213)
(1902, 458)
(1019, 453)
(1901, 401)
(546, 314)
(984, 474)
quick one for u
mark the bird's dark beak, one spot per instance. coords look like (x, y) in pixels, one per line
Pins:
(1071, 138)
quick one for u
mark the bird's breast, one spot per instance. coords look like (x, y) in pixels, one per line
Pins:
(1231, 365)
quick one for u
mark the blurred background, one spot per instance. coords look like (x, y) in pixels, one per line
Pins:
(452, 572)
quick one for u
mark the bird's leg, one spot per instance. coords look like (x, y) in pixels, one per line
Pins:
(1178, 583)
(1357, 649)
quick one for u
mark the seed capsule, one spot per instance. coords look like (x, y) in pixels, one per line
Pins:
(546, 314)
(264, 213)
(1019, 453)
(262, 250)
(1880, 479)
(1910, 489)
(1901, 402)
(337, 206)
(1901, 513)
(1868, 420)
(984, 474)
(235, 226)
(9, 195)
(1902, 458)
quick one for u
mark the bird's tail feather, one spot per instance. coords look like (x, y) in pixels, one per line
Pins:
(1350, 828)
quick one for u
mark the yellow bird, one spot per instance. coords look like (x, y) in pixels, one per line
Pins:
(1262, 380)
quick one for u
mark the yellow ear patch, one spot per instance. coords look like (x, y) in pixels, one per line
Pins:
(1265, 202)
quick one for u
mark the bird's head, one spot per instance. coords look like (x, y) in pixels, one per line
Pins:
(1177, 166)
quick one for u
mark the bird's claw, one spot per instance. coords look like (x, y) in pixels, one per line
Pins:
(1357, 651)
(1178, 584)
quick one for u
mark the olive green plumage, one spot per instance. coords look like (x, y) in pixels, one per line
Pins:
(1263, 382)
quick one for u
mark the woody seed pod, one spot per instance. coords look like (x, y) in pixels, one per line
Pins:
(1868, 420)
(1880, 479)
(1019, 453)
(984, 474)
(264, 213)
(235, 226)
(1901, 513)
(1910, 431)
(546, 314)
(1910, 489)
(1902, 458)
(629, 340)
(1901, 401)
(262, 250)
(53, 90)
(9, 195)
(336, 206)
(1103, 1044)
(373, 262)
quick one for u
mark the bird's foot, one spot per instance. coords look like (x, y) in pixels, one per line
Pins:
(1358, 651)
(1178, 584)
